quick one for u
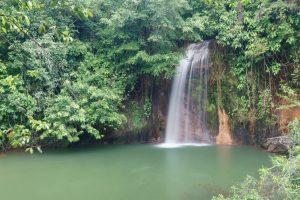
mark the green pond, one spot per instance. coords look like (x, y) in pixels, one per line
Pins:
(127, 172)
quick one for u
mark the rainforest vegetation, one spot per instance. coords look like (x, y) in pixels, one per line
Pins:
(74, 72)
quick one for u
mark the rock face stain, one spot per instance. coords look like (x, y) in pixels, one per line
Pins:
(284, 116)
(224, 135)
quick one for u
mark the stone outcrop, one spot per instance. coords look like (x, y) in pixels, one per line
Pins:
(280, 145)
(224, 136)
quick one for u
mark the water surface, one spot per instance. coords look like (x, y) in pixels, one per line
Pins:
(127, 172)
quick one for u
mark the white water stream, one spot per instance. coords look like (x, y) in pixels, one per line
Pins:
(187, 117)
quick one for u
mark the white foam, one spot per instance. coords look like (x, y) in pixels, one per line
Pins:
(178, 145)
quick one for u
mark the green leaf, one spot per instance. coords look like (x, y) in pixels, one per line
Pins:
(27, 20)
(66, 32)
(29, 4)
(3, 30)
(89, 13)
(3, 20)
(42, 28)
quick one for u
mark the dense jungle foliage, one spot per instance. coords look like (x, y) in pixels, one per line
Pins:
(69, 68)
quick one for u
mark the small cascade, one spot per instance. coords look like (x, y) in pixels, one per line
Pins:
(187, 117)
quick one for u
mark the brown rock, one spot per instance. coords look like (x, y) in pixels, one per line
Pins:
(224, 136)
(280, 145)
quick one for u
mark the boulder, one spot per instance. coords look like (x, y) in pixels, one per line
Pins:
(280, 145)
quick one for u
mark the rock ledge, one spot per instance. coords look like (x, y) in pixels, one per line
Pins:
(280, 145)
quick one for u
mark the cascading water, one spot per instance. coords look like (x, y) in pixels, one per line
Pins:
(187, 118)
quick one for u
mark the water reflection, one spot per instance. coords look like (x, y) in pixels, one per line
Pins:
(130, 172)
(224, 154)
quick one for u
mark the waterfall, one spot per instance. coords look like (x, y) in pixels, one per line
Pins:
(187, 117)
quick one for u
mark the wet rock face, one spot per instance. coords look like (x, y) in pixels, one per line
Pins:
(280, 144)
(224, 136)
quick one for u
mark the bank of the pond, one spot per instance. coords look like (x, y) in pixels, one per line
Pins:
(114, 172)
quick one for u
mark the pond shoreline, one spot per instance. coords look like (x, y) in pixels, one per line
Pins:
(92, 145)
